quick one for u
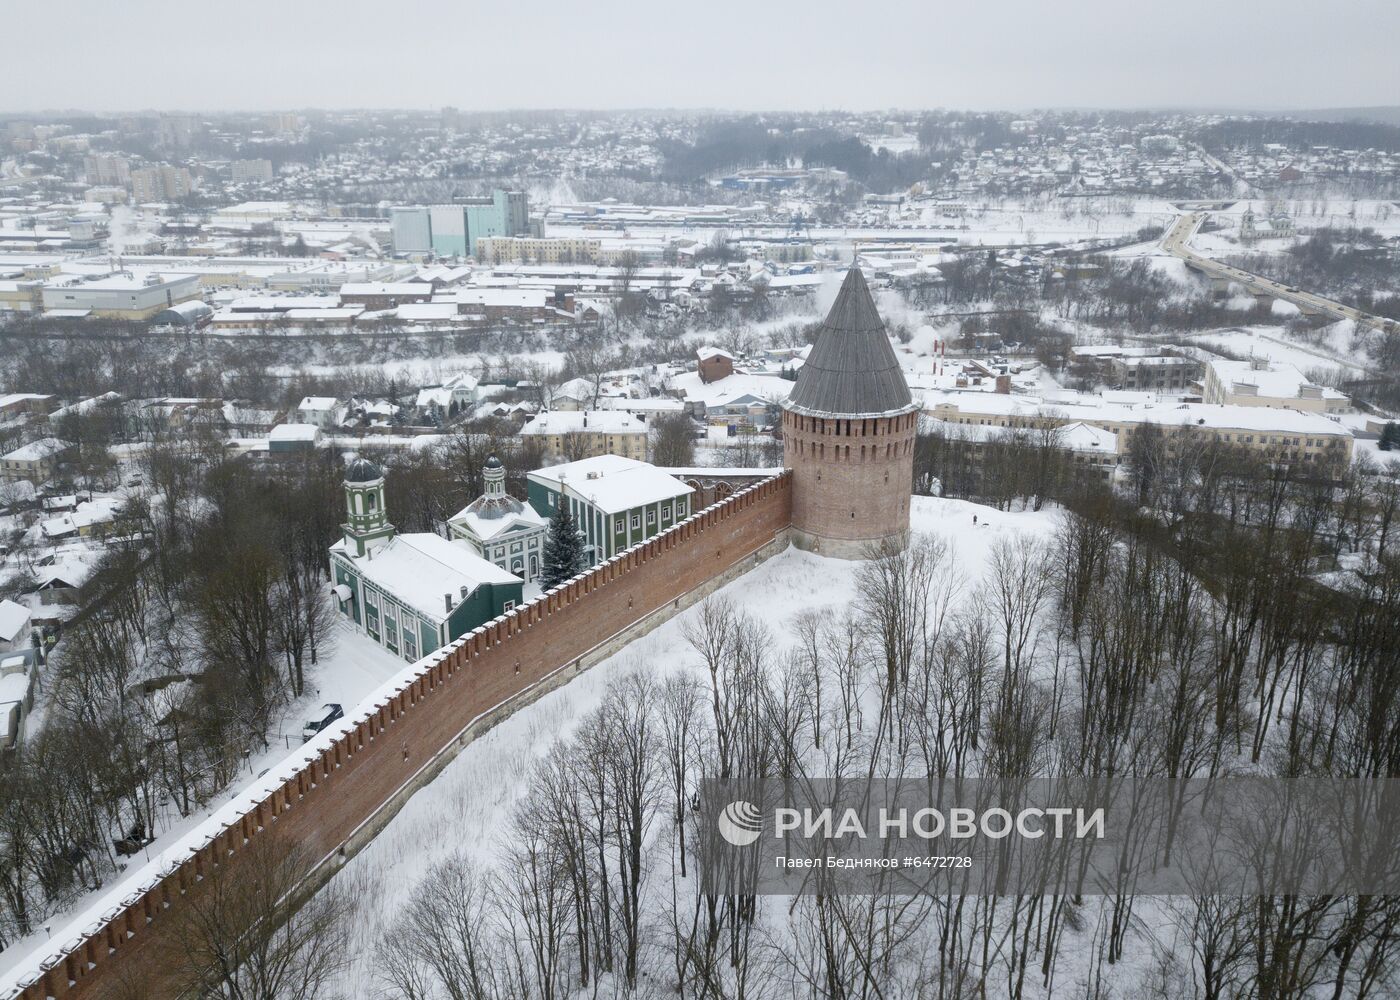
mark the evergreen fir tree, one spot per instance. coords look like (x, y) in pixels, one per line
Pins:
(563, 549)
(1390, 436)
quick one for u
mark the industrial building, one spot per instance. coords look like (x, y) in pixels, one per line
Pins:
(452, 230)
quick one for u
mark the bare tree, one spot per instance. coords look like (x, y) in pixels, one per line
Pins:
(244, 935)
(443, 941)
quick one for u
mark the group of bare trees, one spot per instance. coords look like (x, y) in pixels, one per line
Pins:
(1128, 645)
(1002, 467)
(192, 639)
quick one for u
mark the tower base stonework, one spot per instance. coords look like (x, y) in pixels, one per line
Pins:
(851, 481)
(844, 548)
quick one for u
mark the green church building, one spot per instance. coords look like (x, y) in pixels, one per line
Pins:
(410, 592)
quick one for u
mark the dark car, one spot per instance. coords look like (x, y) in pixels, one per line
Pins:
(327, 715)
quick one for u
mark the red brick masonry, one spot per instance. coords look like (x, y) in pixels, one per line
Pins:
(851, 479)
(355, 773)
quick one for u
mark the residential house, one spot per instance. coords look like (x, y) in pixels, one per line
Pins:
(37, 461)
(575, 434)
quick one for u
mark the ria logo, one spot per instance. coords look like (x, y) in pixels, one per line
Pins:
(740, 823)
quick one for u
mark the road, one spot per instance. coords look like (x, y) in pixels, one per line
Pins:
(1177, 242)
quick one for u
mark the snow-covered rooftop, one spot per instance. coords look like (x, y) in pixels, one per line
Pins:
(14, 619)
(585, 421)
(294, 432)
(1258, 418)
(1274, 379)
(613, 483)
(316, 403)
(35, 450)
(421, 568)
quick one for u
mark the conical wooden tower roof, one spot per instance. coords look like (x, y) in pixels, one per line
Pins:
(852, 370)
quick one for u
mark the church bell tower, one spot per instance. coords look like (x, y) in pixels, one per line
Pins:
(366, 520)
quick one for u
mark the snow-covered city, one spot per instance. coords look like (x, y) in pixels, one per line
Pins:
(441, 458)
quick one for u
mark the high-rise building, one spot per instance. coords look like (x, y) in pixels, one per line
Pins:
(452, 230)
(177, 131)
(286, 123)
(160, 183)
(251, 171)
(503, 213)
(449, 230)
(412, 230)
(107, 170)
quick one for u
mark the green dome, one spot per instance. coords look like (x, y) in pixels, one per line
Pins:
(362, 470)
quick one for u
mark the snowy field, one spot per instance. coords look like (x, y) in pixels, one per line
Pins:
(979, 223)
(466, 808)
(1273, 343)
(1307, 215)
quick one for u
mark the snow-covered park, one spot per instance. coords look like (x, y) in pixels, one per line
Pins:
(466, 811)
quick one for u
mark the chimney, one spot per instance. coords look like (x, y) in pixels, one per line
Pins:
(447, 602)
(464, 593)
(1004, 385)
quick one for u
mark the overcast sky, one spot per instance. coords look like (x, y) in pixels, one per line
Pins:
(857, 54)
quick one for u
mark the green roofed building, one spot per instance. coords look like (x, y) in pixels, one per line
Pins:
(616, 502)
(411, 592)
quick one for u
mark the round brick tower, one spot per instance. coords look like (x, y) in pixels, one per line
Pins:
(848, 433)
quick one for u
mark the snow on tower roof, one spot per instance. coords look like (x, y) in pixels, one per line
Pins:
(852, 370)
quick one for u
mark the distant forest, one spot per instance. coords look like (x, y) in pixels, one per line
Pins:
(1246, 132)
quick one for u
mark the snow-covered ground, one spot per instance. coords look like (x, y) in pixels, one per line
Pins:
(465, 809)
(1273, 343)
(981, 222)
(353, 667)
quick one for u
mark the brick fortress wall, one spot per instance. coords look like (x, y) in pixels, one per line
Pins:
(346, 783)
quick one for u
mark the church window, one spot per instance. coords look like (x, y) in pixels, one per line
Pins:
(369, 501)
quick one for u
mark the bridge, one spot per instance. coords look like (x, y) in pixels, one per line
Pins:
(1177, 242)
